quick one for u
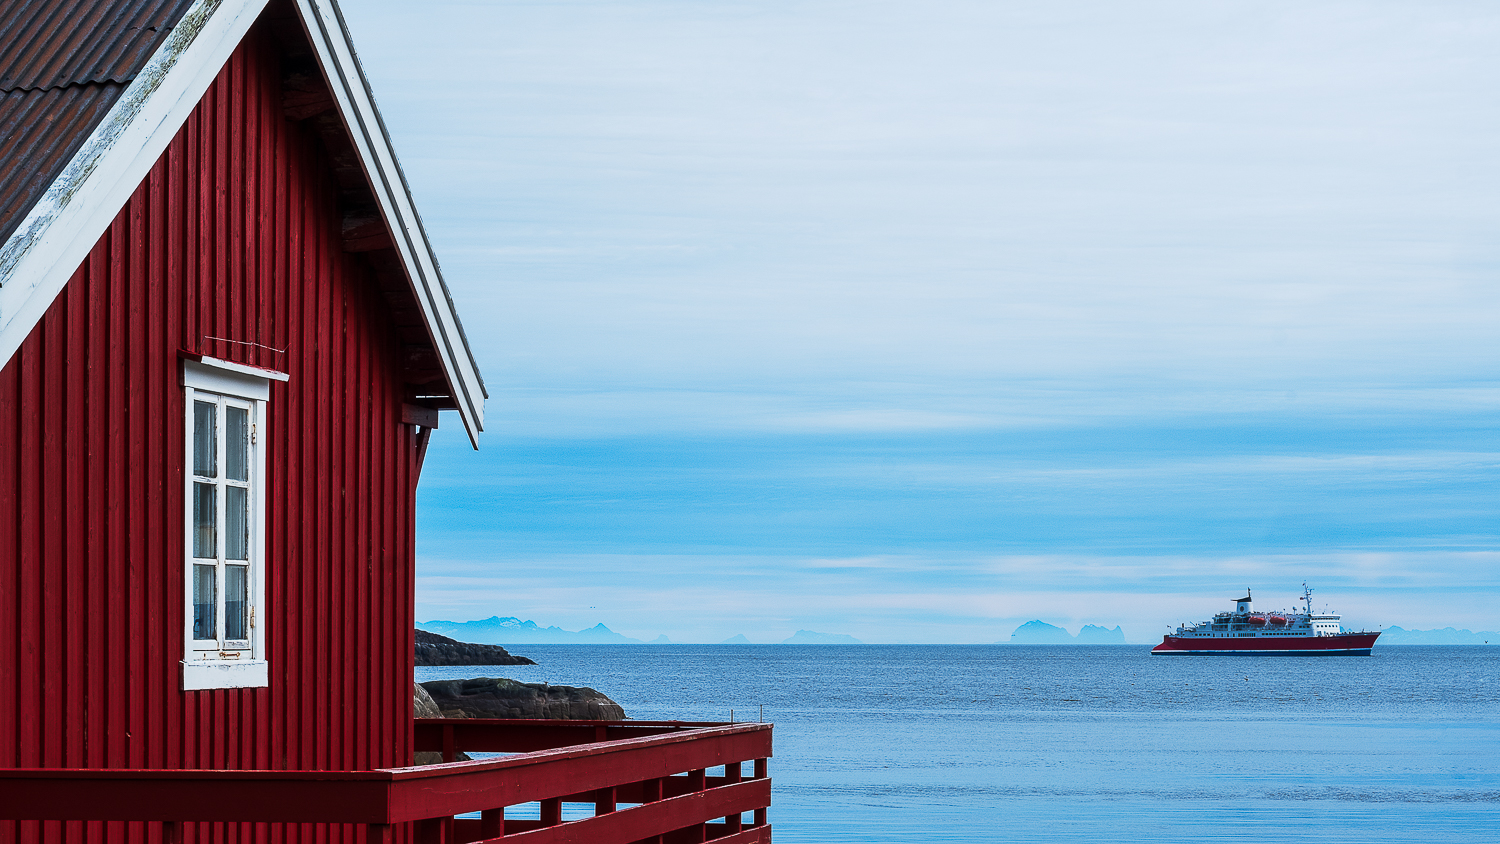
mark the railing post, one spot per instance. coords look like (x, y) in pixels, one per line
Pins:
(733, 773)
(651, 791)
(552, 811)
(380, 833)
(492, 823)
(760, 774)
(429, 831)
(697, 781)
(604, 801)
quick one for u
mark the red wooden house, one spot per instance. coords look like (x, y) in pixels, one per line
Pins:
(224, 340)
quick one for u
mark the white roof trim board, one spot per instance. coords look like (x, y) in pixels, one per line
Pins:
(60, 230)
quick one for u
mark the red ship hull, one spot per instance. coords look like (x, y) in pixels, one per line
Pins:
(1344, 644)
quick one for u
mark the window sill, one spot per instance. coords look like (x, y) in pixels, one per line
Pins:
(223, 674)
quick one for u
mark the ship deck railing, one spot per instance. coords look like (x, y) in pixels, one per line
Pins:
(606, 782)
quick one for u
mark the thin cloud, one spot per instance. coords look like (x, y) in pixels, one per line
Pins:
(861, 300)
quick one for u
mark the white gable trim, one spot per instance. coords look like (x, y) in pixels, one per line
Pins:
(330, 38)
(54, 238)
(60, 230)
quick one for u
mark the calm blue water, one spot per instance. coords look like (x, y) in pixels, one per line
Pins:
(1099, 744)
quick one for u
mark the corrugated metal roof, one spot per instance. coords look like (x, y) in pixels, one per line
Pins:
(63, 63)
(55, 43)
(40, 131)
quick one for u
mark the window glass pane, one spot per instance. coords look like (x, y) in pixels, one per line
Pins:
(237, 443)
(205, 433)
(205, 521)
(205, 603)
(236, 601)
(236, 523)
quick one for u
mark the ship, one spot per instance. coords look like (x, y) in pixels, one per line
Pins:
(1300, 632)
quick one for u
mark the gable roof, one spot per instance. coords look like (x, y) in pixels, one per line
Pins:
(62, 66)
(92, 92)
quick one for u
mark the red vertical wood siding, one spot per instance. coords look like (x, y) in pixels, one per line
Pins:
(236, 233)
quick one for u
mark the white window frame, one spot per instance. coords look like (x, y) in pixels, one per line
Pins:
(227, 664)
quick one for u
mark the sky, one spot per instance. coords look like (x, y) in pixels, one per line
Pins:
(916, 322)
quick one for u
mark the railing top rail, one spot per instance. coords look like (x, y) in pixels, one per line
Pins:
(412, 772)
(193, 774)
(390, 774)
(558, 722)
(592, 749)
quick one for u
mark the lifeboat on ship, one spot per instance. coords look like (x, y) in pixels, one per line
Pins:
(1278, 621)
(1257, 620)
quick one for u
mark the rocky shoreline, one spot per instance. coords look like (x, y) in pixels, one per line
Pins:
(433, 649)
(498, 697)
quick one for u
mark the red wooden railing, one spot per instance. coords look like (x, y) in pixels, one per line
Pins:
(647, 781)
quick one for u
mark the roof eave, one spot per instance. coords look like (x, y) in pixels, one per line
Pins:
(329, 35)
(57, 233)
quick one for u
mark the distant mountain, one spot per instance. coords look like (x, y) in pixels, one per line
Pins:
(512, 631)
(808, 637)
(736, 639)
(660, 640)
(1092, 634)
(1446, 636)
(1041, 633)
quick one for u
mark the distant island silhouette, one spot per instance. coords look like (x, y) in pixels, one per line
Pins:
(509, 630)
(1447, 636)
(809, 637)
(1039, 632)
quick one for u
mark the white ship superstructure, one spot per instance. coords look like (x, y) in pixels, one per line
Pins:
(1300, 630)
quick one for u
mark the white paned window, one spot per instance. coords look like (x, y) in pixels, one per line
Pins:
(224, 524)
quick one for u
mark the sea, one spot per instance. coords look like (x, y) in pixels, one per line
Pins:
(1012, 743)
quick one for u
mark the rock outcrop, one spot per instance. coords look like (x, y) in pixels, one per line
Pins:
(422, 706)
(433, 649)
(497, 697)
